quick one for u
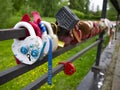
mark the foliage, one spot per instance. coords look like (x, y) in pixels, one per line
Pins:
(80, 5)
(79, 14)
(111, 13)
(13, 9)
(6, 11)
(46, 8)
(13, 20)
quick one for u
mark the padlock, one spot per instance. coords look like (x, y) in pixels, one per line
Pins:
(77, 34)
(55, 30)
(26, 18)
(53, 36)
(45, 37)
(69, 68)
(102, 26)
(65, 36)
(28, 50)
(96, 28)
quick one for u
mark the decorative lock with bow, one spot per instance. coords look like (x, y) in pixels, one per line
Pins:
(28, 50)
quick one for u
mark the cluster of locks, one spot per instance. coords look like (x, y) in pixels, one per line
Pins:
(44, 37)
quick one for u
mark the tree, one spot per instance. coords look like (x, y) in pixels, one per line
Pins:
(45, 7)
(98, 11)
(111, 12)
(17, 4)
(80, 5)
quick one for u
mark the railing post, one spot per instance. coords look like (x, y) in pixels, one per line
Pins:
(96, 69)
(103, 15)
(99, 48)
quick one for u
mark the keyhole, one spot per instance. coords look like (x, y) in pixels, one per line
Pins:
(28, 55)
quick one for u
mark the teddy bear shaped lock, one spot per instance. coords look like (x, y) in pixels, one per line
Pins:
(28, 50)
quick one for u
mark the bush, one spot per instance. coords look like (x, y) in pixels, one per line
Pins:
(92, 17)
(79, 14)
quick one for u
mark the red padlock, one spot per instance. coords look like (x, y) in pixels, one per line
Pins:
(69, 68)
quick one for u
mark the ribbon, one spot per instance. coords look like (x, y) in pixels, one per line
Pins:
(43, 28)
(50, 63)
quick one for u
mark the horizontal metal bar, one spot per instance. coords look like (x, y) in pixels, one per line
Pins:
(16, 71)
(20, 69)
(39, 82)
(83, 51)
(42, 80)
(6, 34)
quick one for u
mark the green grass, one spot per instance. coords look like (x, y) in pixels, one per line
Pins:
(60, 81)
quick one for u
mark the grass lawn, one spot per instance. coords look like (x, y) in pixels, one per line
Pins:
(60, 81)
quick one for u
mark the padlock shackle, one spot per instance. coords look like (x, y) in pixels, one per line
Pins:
(50, 31)
(27, 26)
(49, 28)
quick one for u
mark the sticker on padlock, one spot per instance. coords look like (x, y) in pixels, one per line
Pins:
(28, 50)
(53, 36)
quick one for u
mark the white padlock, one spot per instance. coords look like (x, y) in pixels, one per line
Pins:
(53, 36)
(28, 50)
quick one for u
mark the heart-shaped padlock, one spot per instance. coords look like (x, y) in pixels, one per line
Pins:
(28, 50)
(53, 36)
(38, 31)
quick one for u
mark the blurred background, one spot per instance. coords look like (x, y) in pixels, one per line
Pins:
(12, 10)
